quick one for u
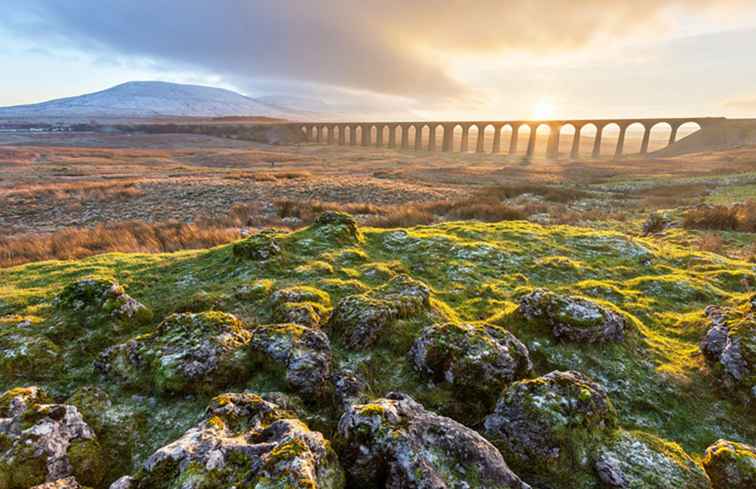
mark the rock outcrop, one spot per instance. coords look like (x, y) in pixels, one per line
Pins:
(303, 353)
(729, 346)
(361, 319)
(476, 362)
(243, 441)
(573, 318)
(640, 460)
(548, 426)
(731, 465)
(43, 442)
(395, 443)
(102, 297)
(187, 352)
(258, 247)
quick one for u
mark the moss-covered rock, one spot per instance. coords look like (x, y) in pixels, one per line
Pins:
(729, 346)
(100, 296)
(339, 226)
(27, 355)
(187, 353)
(395, 442)
(731, 465)
(303, 305)
(573, 318)
(303, 353)
(42, 442)
(243, 441)
(258, 247)
(361, 319)
(637, 460)
(476, 362)
(548, 427)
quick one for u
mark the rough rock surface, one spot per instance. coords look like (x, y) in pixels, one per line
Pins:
(731, 465)
(638, 460)
(44, 442)
(100, 296)
(307, 306)
(549, 425)
(243, 441)
(476, 361)
(258, 247)
(361, 319)
(395, 443)
(187, 352)
(304, 353)
(339, 225)
(729, 346)
(573, 318)
(349, 389)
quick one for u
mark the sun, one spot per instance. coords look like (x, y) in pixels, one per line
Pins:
(543, 109)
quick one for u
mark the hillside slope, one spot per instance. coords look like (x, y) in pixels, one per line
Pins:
(590, 339)
(151, 99)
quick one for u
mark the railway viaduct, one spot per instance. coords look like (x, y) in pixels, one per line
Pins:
(373, 134)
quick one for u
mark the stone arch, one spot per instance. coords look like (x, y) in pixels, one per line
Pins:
(588, 134)
(435, 143)
(607, 142)
(412, 132)
(520, 138)
(635, 134)
(537, 146)
(473, 134)
(395, 136)
(356, 135)
(567, 133)
(458, 135)
(505, 132)
(659, 135)
(425, 131)
(686, 129)
(487, 136)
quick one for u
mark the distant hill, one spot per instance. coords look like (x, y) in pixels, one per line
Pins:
(153, 99)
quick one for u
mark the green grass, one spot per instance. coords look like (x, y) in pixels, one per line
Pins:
(656, 378)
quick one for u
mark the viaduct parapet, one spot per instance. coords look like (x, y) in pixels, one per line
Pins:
(425, 134)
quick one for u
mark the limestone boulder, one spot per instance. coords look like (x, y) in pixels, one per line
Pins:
(102, 297)
(243, 441)
(43, 442)
(475, 361)
(394, 442)
(637, 460)
(258, 247)
(731, 465)
(729, 347)
(573, 318)
(303, 353)
(549, 426)
(188, 352)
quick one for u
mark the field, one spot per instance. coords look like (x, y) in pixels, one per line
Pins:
(144, 278)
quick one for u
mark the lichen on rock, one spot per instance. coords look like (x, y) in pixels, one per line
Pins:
(362, 318)
(729, 346)
(477, 362)
(187, 352)
(243, 441)
(303, 305)
(258, 247)
(549, 426)
(338, 226)
(44, 442)
(731, 465)
(637, 460)
(395, 442)
(303, 353)
(102, 297)
(573, 318)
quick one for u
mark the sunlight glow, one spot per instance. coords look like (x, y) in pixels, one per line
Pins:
(544, 109)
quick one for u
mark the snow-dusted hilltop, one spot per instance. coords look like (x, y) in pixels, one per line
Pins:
(153, 99)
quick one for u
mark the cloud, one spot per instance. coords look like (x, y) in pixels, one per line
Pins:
(391, 47)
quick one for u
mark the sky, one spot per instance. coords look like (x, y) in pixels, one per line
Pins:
(494, 59)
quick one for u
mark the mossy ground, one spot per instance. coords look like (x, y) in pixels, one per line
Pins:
(656, 377)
